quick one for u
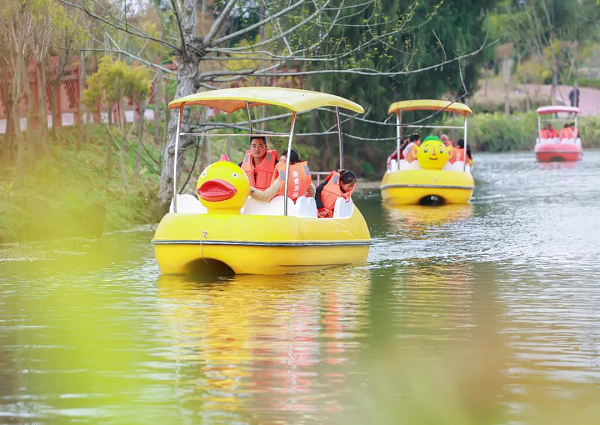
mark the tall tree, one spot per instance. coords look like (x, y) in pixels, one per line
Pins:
(299, 30)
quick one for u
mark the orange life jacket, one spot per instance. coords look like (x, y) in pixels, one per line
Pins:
(260, 177)
(298, 183)
(567, 133)
(332, 191)
(411, 155)
(458, 154)
(545, 134)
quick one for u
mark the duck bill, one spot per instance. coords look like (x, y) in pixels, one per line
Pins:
(216, 191)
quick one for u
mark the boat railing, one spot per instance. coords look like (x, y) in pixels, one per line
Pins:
(319, 174)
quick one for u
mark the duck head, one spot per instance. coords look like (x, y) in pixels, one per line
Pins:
(223, 187)
(433, 154)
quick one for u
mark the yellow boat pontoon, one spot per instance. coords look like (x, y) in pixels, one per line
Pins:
(432, 173)
(227, 231)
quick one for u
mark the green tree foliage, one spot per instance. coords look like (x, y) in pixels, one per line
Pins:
(433, 36)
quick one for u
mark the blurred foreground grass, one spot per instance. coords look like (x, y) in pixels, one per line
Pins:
(68, 193)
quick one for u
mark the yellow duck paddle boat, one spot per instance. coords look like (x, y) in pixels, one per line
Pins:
(433, 173)
(227, 231)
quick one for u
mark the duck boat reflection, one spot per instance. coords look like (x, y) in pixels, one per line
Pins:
(227, 230)
(552, 146)
(434, 173)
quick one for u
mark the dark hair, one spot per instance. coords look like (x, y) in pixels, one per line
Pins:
(294, 157)
(252, 138)
(347, 176)
(460, 143)
(566, 125)
(414, 138)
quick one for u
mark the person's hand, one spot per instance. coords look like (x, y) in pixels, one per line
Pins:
(322, 213)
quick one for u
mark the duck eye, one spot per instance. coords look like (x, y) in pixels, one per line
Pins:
(235, 175)
(203, 174)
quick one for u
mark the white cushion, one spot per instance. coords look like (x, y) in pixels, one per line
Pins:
(188, 204)
(307, 207)
(274, 207)
(343, 208)
(405, 165)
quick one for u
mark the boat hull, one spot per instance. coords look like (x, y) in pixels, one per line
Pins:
(257, 244)
(556, 152)
(411, 187)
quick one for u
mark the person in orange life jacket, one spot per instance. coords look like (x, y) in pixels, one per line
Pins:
(445, 140)
(299, 185)
(259, 163)
(339, 183)
(408, 153)
(394, 154)
(549, 132)
(574, 130)
(567, 132)
(460, 145)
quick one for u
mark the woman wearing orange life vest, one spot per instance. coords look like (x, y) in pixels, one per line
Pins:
(337, 184)
(300, 183)
(259, 163)
(458, 153)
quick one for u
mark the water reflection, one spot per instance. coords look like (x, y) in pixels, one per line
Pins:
(417, 218)
(270, 345)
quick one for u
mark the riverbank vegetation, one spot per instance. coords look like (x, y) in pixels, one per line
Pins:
(69, 193)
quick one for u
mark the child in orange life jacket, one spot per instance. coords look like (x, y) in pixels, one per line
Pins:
(460, 146)
(299, 184)
(259, 163)
(339, 183)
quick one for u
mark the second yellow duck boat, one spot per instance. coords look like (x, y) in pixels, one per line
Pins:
(434, 173)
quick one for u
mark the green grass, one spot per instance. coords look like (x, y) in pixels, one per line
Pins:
(68, 193)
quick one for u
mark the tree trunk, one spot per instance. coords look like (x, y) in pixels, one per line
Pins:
(43, 110)
(20, 146)
(9, 136)
(157, 84)
(506, 71)
(554, 89)
(54, 102)
(140, 138)
(30, 139)
(80, 119)
(187, 74)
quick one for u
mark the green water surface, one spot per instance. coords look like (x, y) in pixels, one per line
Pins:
(481, 314)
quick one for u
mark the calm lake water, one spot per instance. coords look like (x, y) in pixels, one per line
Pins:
(481, 314)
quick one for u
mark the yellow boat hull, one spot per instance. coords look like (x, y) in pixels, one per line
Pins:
(410, 187)
(258, 244)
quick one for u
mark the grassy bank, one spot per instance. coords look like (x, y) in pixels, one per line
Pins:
(68, 193)
(499, 133)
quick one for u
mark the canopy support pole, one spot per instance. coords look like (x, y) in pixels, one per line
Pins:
(249, 117)
(287, 165)
(398, 137)
(176, 154)
(337, 117)
(466, 156)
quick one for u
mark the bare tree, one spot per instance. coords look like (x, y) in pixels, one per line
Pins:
(299, 30)
(16, 27)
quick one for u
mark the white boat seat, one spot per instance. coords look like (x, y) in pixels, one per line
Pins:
(405, 165)
(393, 165)
(307, 207)
(188, 204)
(343, 208)
(274, 207)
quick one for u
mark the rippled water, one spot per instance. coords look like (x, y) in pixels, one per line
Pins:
(480, 314)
